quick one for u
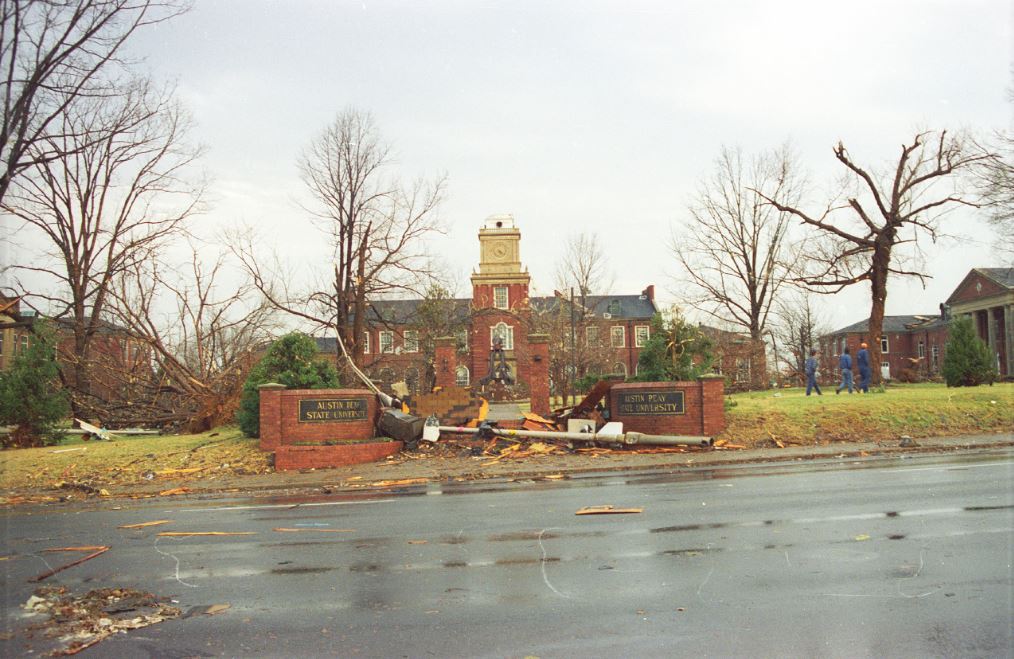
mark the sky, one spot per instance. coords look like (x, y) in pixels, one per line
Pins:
(588, 116)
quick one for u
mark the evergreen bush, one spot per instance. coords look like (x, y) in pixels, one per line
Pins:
(677, 350)
(31, 398)
(291, 360)
(968, 361)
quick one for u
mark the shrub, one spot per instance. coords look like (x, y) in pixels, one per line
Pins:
(968, 361)
(30, 395)
(292, 361)
(676, 350)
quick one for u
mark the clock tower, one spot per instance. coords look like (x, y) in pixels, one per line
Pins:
(500, 305)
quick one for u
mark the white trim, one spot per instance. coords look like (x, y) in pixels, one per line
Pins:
(389, 335)
(497, 304)
(639, 341)
(623, 336)
(507, 335)
(458, 380)
(410, 339)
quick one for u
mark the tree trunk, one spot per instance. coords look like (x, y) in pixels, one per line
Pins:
(878, 289)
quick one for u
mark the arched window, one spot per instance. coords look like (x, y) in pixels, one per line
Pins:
(619, 368)
(412, 380)
(461, 376)
(506, 334)
(386, 375)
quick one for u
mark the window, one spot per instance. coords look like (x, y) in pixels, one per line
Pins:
(24, 342)
(500, 297)
(619, 368)
(1, 342)
(614, 308)
(411, 340)
(412, 380)
(506, 334)
(387, 375)
(618, 336)
(742, 369)
(883, 345)
(461, 376)
(366, 343)
(922, 350)
(934, 355)
(641, 335)
(591, 336)
(386, 341)
(462, 340)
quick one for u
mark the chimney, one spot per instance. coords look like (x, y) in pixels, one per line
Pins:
(650, 292)
(945, 312)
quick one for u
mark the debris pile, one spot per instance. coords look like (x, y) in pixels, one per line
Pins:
(81, 621)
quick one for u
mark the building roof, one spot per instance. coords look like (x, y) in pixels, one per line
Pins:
(405, 312)
(622, 307)
(896, 324)
(1002, 276)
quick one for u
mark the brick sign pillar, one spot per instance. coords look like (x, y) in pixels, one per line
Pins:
(445, 361)
(713, 400)
(271, 415)
(538, 373)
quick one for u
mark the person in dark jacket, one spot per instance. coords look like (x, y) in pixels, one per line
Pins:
(845, 364)
(811, 373)
(863, 363)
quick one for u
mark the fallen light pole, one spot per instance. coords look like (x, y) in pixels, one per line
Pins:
(628, 438)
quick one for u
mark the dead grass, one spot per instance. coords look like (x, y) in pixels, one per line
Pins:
(97, 465)
(922, 410)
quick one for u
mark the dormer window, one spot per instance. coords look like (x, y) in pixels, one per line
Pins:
(614, 308)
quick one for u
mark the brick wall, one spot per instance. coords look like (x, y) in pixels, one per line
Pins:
(703, 404)
(445, 358)
(280, 424)
(291, 458)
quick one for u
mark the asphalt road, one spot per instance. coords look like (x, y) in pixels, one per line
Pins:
(858, 558)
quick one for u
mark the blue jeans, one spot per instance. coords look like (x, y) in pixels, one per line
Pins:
(811, 383)
(846, 380)
(864, 380)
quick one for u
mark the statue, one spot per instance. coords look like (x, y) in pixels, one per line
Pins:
(499, 371)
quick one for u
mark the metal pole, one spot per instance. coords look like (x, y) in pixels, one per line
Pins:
(573, 351)
(629, 438)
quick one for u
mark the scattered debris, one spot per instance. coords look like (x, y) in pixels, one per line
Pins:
(607, 510)
(907, 442)
(418, 542)
(174, 491)
(216, 608)
(186, 534)
(288, 530)
(861, 537)
(173, 472)
(99, 550)
(403, 481)
(142, 525)
(85, 620)
(68, 450)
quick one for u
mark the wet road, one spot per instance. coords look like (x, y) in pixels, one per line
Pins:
(898, 557)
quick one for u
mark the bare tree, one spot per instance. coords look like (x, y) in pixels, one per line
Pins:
(117, 196)
(54, 53)
(582, 270)
(796, 329)
(855, 241)
(376, 228)
(996, 178)
(200, 342)
(733, 248)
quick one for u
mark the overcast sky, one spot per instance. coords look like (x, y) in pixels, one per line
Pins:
(593, 116)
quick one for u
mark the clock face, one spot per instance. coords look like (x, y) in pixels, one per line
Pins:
(499, 251)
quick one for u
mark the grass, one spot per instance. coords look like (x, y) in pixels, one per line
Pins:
(917, 410)
(755, 419)
(130, 460)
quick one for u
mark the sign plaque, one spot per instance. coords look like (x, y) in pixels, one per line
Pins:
(332, 410)
(650, 403)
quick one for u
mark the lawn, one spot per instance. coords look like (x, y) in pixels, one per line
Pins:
(755, 419)
(917, 410)
(96, 465)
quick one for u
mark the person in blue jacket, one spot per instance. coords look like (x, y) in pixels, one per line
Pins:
(811, 373)
(863, 363)
(845, 364)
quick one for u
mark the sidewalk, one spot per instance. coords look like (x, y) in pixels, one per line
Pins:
(419, 468)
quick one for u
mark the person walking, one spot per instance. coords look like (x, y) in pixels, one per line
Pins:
(811, 373)
(845, 364)
(865, 373)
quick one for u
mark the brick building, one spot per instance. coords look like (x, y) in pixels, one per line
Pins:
(605, 338)
(15, 330)
(913, 347)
